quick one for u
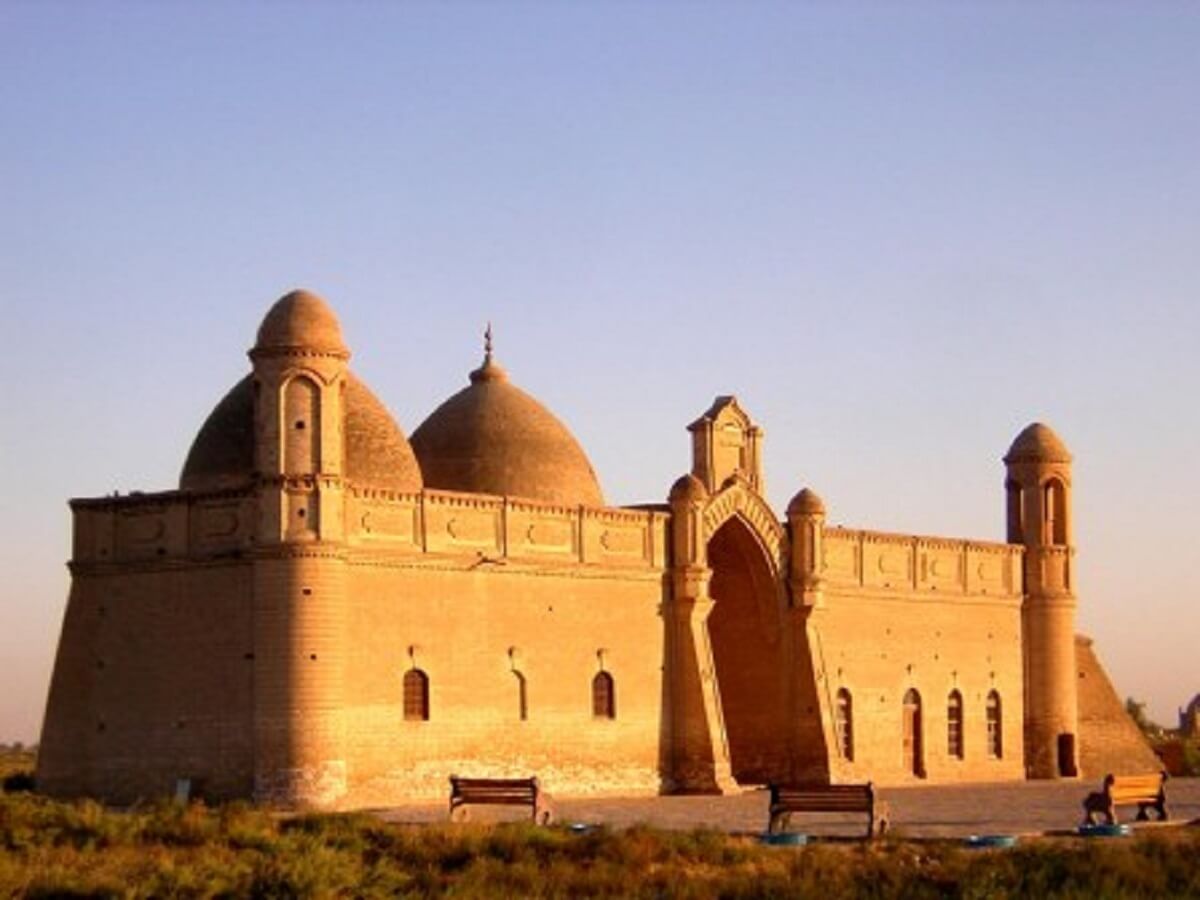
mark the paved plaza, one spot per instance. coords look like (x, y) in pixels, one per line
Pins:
(923, 812)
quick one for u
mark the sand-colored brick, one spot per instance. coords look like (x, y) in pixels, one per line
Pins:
(252, 631)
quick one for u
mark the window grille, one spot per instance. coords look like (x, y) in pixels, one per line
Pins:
(845, 724)
(954, 725)
(416, 696)
(604, 705)
(995, 727)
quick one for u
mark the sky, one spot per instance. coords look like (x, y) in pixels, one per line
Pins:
(897, 232)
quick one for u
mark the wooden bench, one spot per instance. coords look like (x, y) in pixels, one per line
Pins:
(499, 792)
(1147, 791)
(826, 798)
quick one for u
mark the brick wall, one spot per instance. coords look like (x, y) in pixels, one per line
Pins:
(1109, 741)
(152, 683)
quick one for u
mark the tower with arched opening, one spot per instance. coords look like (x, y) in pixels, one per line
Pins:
(1038, 485)
(325, 615)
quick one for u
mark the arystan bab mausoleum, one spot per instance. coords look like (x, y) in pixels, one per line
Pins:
(327, 614)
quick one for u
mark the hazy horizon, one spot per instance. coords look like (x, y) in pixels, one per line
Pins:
(897, 235)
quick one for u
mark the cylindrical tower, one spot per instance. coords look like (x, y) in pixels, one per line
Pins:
(812, 737)
(1039, 516)
(299, 580)
(806, 519)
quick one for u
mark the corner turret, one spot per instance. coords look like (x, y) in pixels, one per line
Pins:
(1038, 487)
(299, 383)
(300, 379)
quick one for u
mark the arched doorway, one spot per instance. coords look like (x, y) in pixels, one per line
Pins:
(745, 631)
(913, 742)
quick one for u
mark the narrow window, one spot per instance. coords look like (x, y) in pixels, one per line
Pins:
(416, 696)
(1055, 504)
(995, 729)
(302, 442)
(844, 720)
(522, 698)
(954, 725)
(604, 700)
(913, 734)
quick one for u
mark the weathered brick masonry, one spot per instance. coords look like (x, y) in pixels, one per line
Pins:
(326, 615)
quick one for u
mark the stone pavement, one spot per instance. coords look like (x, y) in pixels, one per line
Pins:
(925, 812)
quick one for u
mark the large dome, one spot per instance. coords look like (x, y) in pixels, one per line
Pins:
(377, 454)
(493, 438)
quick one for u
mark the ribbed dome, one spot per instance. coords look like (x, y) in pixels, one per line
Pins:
(806, 502)
(377, 454)
(688, 489)
(1038, 443)
(300, 319)
(493, 438)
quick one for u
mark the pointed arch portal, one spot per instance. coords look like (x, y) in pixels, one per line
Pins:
(745, 631)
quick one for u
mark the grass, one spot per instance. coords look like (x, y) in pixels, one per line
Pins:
(55, 849)
(16, 768)
(15, 760)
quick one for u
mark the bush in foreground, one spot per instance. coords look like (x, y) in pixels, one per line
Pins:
(165, 850)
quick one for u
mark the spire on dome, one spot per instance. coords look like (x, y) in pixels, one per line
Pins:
(490, 370)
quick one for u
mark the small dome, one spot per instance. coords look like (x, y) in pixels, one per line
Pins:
(688, 488)
(377, 453)
(806, 503)
(301, 319)
(493, 438)
(1037, 443)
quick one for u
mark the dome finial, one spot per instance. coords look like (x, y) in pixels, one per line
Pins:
(490, 370)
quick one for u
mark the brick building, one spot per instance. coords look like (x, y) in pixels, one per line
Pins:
(327, 614)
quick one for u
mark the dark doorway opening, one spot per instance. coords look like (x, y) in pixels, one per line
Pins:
(746, 635)
(1066, 756)
(913, 740)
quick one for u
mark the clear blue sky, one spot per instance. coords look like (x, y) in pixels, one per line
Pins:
(897, 232)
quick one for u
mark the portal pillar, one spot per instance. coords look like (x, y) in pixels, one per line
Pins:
(699, 751)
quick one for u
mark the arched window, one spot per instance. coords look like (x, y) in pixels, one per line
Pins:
(1054, 502)
(604, 696)
(522, 698)
(995, 727)
(416, 696)
(844, 723)
(954, 725)
(301, 426)
(913, 738)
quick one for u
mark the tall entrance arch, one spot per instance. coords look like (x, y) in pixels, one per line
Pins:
(746, 632)
(742, 703)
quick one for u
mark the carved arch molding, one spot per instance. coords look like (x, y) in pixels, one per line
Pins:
(740, 500)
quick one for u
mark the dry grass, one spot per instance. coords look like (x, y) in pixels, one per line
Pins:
(14, 761)
(52, 849)
(16, 768)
